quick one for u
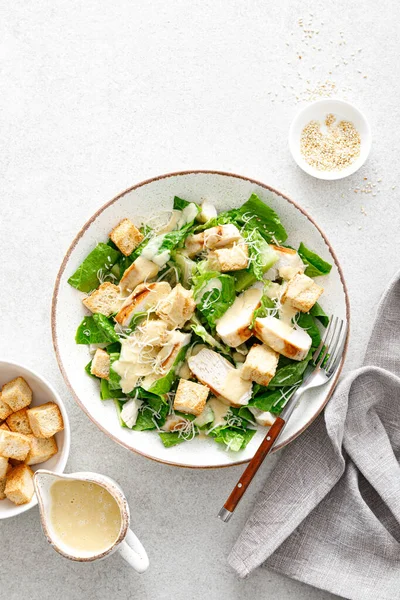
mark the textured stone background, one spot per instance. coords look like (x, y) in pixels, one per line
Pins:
(97, 96)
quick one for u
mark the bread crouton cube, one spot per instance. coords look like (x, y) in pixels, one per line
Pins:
(190, 397)
(302, 293)
(2, 488)
(14, 445)
(105, 300)
(4, 426)
(126, 236)
(5, 410)
(177, 307)
(4, 464)
(19, 486)
(100, 364)
(139, 271)
(229, 259)
(19, 422)
(41, 450)
(17, 394)
(45, 420)
(260, 364)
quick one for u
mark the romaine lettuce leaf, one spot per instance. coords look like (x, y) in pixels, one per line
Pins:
(258, 215)
(98, 262)
(234, 438)
(272, 400)
(113, 378)
(118, 407)
(107, 394)
(318, 312)
(97, 329)
(152, 413)
(213, 300)
(290, 374)
(223, 218)
(202, 332)
(180, 204)
(171, 438)
(316, 265)
(262, 256)
(307, 322)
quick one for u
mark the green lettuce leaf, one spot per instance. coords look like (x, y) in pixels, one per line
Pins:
(119, 405)
(290, 374)
(307, 322)
(171, 438)
(202, 333)
(113, 378)
(316, 265)
(272, 400)
(88, 371)
(223, 218)
(97, 329)
(213, 303)
(98, 262)
(180, 204)
(236, 439)
(318, 312)
(107, 394)
(262, 256)
(258, 215)
(153, 412)
(164, 384)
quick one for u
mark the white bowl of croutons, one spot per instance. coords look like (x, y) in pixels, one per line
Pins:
(34, 433)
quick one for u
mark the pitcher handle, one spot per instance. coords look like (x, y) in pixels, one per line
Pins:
(133, 552)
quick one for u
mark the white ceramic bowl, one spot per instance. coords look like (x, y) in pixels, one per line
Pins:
(43, 392)
(146, 198)
(318, 111)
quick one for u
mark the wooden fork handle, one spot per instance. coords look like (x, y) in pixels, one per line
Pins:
(253, 466)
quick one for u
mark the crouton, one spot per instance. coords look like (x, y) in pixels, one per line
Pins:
(287, 266)
(14, 445)
(229, 259)
(139, 271)
(144, 297)
(17, 394)
(194, 244)
(4, 426)
(126, 236)
(190, 397)
(4, 464)
(302, 293)
(260, 364)
(100, 364)
(221, 236)
(177, 307)
(19, 486)
(45, 420)
(105, 300)
(41, 450)
(2, 488)
(5, 410)
(19, 422)
(233, 326)
(292, 343)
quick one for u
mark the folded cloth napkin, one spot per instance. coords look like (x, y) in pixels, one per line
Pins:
(329, 514)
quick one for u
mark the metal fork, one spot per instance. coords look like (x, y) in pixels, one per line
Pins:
(326, 360)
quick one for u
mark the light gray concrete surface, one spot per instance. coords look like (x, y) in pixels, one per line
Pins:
(97, 96)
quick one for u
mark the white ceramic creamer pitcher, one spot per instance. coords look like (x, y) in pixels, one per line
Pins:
(126, 543)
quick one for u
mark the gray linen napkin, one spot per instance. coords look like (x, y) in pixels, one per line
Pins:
(329, 514)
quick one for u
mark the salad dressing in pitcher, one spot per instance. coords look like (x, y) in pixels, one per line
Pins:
(84, 515)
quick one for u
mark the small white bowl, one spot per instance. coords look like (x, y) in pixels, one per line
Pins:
(318, 111)
(43, 392)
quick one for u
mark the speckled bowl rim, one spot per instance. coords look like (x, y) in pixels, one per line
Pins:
(80, 235)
